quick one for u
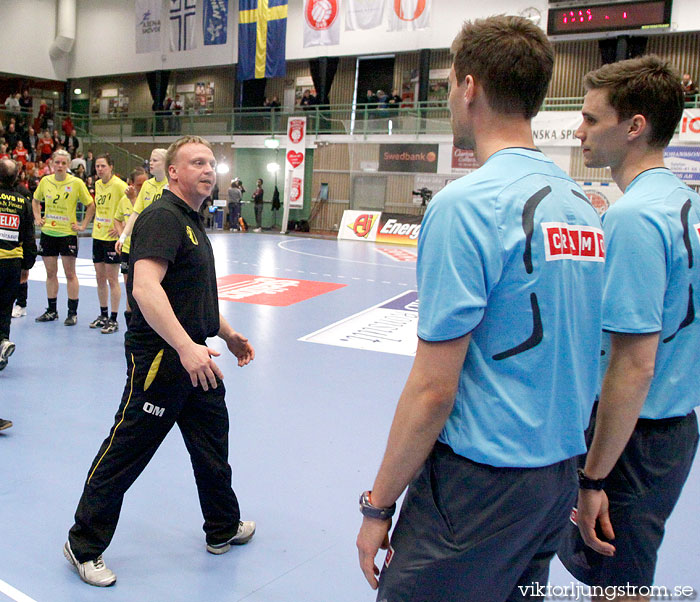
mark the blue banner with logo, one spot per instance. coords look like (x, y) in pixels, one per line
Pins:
(262, 38)
(215, 22)
(684, 161)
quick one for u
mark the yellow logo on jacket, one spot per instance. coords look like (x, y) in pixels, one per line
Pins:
(191, 235)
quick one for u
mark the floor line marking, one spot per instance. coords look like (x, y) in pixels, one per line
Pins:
(14, 593)
(400, 267)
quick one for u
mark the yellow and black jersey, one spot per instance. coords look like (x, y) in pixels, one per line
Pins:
(16, 228)
(60, 200)
(107, 197)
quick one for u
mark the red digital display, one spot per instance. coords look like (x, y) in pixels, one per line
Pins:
(589, 18)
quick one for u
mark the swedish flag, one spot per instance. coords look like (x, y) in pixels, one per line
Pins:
(262, 36)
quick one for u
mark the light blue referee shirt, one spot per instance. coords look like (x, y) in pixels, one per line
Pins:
(652, 284)
(513, 253)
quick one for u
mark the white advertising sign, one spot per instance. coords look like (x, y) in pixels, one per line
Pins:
(389, 327)
(359, 225)
(689, 130)
(556, 128)
(294, 161)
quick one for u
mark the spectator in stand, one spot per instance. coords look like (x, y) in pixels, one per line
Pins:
(71, 143)
(42, 116)
(11, 136)
(20, 154)
(44, 168)
(690, 88)
(31, 141)
(177, 108)
(67, 127)
(12, 104)
(307, 101)
(395, 100)
(90, 183)
(46, 146)
(79, 172)
(25, 104)
(371, 104)
(90, 165)
(274, 104)
(56, 138)
(78, 161)
(33, 179)
(3, 151)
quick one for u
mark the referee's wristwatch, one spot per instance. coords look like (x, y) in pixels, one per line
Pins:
(371, 511)
(585, 482)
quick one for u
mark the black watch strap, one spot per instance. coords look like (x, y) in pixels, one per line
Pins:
(371, 511)
(585, 482)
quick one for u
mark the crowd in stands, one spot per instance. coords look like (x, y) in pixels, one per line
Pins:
(31, 141)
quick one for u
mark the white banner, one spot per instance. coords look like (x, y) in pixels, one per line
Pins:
(689, 130)
(182, 24)
(295, 160)
(409, 15)
(556, 128)
(321, 23)
(148, 14)
(359, 225)
(363, 14)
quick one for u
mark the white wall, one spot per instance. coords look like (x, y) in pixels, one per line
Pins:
(28, 29)
(105, 37)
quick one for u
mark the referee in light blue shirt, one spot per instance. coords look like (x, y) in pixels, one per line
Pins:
(645, 433)
(510, 275)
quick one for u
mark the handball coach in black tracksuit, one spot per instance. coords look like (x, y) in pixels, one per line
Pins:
(171, 376)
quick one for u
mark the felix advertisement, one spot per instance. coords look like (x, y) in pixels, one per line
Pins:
(295, 159)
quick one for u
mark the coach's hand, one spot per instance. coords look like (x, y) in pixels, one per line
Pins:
(241, 348)
(197, 360)
(373, 535)
(593, 507)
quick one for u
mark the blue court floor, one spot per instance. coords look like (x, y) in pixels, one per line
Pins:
(309, 422)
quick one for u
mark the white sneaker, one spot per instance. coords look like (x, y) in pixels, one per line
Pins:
(93, 572)
(257, 230)
(7, 348)
(18, 311)
(246, 530)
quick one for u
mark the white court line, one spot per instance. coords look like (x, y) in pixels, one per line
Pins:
(395, 267)
(13, 593)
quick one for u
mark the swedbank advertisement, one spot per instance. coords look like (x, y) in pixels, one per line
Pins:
(375, 226)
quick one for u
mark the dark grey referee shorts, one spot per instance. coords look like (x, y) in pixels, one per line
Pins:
(470, 532)
(643, 489)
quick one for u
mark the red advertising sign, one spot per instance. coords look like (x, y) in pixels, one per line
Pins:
(265, 290)
(463, 159)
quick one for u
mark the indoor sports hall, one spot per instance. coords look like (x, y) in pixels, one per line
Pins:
(346, 120)
(330, 322)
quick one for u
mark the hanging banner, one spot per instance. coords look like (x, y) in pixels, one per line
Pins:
(321, 23)
(182, 24)
(689, 130)
(262, 39)
(409, 15)
(148, 26)
(295, 160)
(363, 14)
(215, 22)
(556, 128)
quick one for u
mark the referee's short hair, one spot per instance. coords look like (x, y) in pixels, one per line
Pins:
(171, 154)
(510, 58)
(647, 86)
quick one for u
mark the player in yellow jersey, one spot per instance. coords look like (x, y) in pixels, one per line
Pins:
(150, 192)
(124, 210)
(60, 192)
(109, 190)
